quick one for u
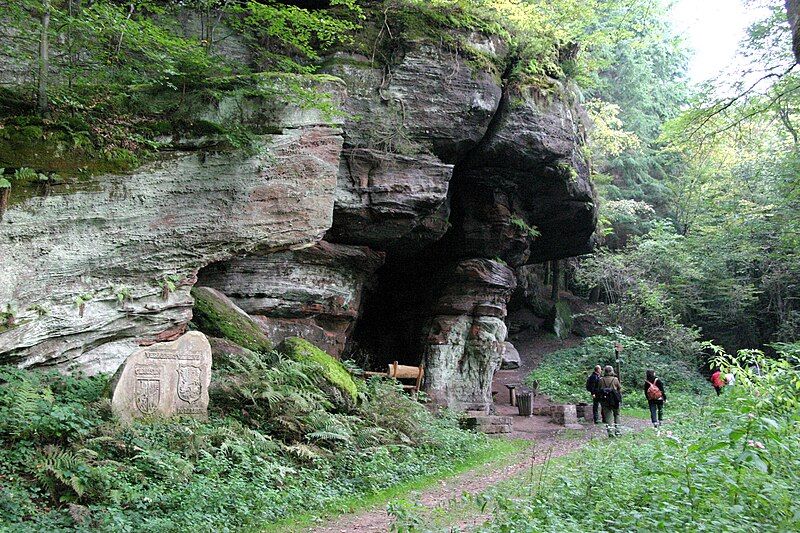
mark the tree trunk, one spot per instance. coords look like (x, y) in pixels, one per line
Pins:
(44, 59)
(556, 269)
(594, 295)
(4, 193)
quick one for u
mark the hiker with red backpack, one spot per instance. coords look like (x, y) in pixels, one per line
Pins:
(717, 381)
(656, 396)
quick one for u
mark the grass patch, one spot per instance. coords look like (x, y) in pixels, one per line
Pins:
(496, 453)
(636, 412)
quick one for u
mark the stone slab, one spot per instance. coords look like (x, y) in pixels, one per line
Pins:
(563, 415)
(490, 424)
(164, 379)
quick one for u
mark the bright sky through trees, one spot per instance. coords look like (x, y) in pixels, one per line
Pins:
(713, 29)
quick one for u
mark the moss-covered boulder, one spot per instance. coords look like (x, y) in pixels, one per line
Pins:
(216, 315)
(301, 350)
(560, 320)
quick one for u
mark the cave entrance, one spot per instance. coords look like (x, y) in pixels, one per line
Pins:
(395, 310)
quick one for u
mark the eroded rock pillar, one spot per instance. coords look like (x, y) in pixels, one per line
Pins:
(464, 339)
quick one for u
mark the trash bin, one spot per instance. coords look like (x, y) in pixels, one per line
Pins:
(525, 403)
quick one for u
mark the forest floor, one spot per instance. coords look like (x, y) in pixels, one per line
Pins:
(443, 504)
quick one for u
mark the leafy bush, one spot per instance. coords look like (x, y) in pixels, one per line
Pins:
(728, 465)
(562, 374)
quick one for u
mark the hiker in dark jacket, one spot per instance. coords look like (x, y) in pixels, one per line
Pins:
(656, 396)
(592, 386)
(610, 392)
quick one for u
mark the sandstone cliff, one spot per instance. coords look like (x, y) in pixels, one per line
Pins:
(394, 229)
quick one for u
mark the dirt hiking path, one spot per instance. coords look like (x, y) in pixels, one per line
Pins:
(548, 441)
(545, 446)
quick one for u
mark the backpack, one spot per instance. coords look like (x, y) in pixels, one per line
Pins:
(653, 392)
(592, 382)
(610, 397)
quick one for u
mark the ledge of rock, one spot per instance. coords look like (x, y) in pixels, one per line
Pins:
(314, 292)
(528, 174)
(97, 268)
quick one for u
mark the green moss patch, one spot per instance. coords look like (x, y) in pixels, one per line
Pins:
(216, 315)
(301, 350)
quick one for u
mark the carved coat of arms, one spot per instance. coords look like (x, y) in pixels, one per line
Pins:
(148, 394)
(189, 383)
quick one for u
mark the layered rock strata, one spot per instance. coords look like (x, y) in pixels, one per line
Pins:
(314, 292)
(442, 171)
(104, 265)
(465, 336)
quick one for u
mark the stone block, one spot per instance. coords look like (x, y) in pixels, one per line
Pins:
(541, 410)
(511, 359)
(563, 415)
(490, 424)
(165, 379)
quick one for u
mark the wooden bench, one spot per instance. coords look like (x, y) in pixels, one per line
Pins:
(401, 372)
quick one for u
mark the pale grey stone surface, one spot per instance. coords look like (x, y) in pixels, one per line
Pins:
(123, 235)
(465, 337)
(165, 379)
(510, 358)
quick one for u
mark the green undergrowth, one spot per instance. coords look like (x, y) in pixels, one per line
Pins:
(562, 374)
(279, 442)
(727, 464)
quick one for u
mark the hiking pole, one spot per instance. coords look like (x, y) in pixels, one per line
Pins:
(618, 358)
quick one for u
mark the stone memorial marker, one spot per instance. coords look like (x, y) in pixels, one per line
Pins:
(164, 379)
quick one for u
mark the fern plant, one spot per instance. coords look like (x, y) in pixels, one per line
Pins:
(60, 471)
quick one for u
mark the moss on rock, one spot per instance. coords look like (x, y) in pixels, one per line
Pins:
(301, 350)
(560, 320)
(218, 316)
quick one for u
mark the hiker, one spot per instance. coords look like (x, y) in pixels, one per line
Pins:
(610, 392)
(592, 386)
(717, 381)
(656, 396)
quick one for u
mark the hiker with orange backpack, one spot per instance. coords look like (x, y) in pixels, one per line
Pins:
(656, 396)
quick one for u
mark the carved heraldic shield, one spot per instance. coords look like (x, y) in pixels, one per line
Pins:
(148, 394)
(189, 383)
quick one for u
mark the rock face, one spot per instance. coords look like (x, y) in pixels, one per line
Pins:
(390, 201)
(465, 335)
(403, 226)
(126, 237)
(313, 292)
(525, 193)
(407, 130)
(166, 379)
(530, 289)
